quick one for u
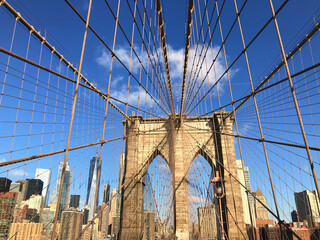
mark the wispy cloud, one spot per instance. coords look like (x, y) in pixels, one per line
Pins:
(104, 58)
(18, 173)
(176, 60)
(199, 67)
(199, 200)
(85, 5)
(134, 96)
(116, 81)
(15, 172)
(243, 130)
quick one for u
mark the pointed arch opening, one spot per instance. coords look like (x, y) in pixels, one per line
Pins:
(158, 217)
(204, 217)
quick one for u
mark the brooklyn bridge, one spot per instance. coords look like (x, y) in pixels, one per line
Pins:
(189, 120)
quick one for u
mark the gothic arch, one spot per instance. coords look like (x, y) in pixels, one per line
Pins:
(152, 157)
(178, 145)
(206, 156)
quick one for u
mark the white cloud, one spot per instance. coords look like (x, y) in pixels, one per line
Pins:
(115, 81)
(176, 60)
(104, 58)
(3, 159)
(133, 98)
(243, 130)
(199, 200)
(18, 173)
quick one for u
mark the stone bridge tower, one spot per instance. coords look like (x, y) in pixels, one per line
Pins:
(178, 146)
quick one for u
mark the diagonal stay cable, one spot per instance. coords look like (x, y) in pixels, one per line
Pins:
(51, 48)
(222, 46)
(195, 61)
(186, 53)
(114, 54)
(277, 68)
(165, 53)
(104, 95)
(280, 221)
(132, 180)
(240, 54)
(153, 63)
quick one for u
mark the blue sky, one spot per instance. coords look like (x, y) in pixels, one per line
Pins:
(64, 30)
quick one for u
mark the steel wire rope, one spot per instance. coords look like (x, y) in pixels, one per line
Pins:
(159, 63)
(153, 65)
(248, 45)
(260, 90)
(284, 182)
(281, 222)
(42, 189)
(129, 181)
(114, 54)
(195, 53)
(218, 52)
(48, 45)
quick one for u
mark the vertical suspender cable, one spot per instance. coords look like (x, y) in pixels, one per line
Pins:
(70, 126)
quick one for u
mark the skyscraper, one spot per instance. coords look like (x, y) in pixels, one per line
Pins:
(208, 222)
(243, 176)
(86, 211)
(121, 178)
(71, 224)
(294, 216)
(34, 188)
(34, 202)
(26, 188)
(5, 184)
(44, 175)
(113, 210)
(65, 187)
(22, 231)
(7, 203)
(74, 201)
(308, 207)
(113, 204)
(261, 212)
(248, 182)
(106, 193)
(104, 220)
(20, 188)
(47, 216)
(149, 226)
(92, 185)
